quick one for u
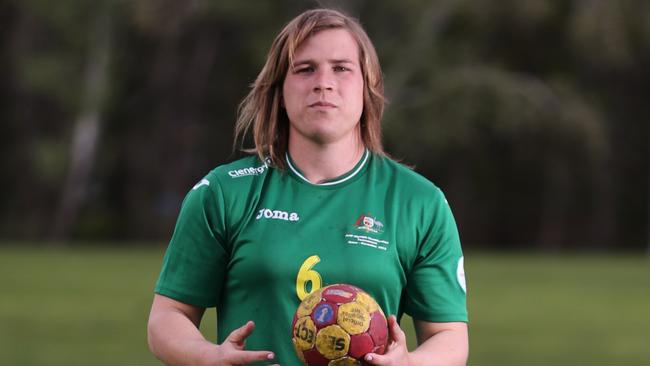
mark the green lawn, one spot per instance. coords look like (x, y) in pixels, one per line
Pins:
(90, 306)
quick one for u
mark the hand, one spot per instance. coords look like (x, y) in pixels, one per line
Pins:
(231, 352)
(397, 353)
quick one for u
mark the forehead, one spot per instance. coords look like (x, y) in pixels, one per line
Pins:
(336, 43)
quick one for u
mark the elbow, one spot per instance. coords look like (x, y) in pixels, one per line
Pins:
(463, 350)
(463, 358)
(151, 335)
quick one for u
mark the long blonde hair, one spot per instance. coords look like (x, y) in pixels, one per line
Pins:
(261, 110)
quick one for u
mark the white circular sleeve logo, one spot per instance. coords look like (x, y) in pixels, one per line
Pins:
(460, 273)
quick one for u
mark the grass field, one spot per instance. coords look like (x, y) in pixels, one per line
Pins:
(89, 306)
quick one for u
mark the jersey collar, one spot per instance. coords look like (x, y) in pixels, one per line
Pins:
(343, 178)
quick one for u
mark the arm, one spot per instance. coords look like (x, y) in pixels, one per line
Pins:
(175, 339)
(444, 344)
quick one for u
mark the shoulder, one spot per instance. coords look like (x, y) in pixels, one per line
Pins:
(407, 181)
(249, 166)
(226, 180)
(230, 176)
(229, 192)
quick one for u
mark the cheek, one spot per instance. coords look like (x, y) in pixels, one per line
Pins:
(358, 96)
(288, 98)
(292, 91)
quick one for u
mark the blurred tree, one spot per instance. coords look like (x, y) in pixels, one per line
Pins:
(43, 48)
(501, 77)
(610, 43)
(532, 116)
(86, 135)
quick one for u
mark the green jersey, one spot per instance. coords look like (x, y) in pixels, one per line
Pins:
(253, 241)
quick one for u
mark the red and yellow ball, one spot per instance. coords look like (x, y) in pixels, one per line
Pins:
(338, 325)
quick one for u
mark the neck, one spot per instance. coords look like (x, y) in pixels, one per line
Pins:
(320, 163)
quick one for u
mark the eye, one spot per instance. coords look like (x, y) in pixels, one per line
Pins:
(339, 68)
(304, 70)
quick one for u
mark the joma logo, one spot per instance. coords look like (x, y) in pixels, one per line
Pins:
(266, 213)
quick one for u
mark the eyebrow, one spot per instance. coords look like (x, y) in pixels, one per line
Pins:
(330, 61)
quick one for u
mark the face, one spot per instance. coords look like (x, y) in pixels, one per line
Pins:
(323, 89)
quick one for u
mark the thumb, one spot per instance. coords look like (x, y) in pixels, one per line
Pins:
(240, 334)
(376, 359)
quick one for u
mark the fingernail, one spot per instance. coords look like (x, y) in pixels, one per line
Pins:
(270, 356)
(368, 358)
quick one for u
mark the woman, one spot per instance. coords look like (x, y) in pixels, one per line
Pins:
(319, 203)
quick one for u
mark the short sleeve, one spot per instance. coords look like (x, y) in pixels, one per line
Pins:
(195, 263)
(435, 289)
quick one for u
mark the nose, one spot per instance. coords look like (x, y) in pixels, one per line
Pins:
(324, 81)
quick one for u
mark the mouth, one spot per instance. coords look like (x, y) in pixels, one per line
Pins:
(322, 104)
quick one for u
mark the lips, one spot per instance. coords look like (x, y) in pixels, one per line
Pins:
(322, 104)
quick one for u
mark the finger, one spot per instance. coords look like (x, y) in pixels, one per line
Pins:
(375, 359)
(395, 332)
(240, 334)
(246, 357)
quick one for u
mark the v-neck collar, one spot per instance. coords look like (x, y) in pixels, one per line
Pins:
(335, 181)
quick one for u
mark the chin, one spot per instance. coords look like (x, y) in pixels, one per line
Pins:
(322, 138)
(325, 132)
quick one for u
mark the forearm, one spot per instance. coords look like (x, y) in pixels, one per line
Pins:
(175, 340)
(448, 347)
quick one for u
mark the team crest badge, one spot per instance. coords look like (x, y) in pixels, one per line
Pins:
(369, 224)
(367, 231)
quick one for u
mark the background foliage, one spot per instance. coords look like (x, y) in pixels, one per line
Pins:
(532, 116)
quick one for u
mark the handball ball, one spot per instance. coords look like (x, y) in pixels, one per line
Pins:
(338, 325)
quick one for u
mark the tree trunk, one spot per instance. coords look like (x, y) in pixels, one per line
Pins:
(87, 128)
